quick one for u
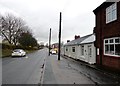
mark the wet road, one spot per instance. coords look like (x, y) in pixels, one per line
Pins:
(23, 70)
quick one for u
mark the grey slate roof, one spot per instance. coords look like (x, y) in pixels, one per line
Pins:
(78, 41)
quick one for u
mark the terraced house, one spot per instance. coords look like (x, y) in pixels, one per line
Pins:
(82, 49)
(107, 32)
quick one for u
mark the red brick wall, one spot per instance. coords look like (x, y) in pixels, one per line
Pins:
(112, 62)
(103, 30)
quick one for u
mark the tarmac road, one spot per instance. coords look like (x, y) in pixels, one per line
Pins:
(23, 70)
(39, 68)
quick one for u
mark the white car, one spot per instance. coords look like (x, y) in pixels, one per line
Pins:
(18, 52)
(53, 51)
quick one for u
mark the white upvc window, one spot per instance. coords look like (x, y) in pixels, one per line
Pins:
(111, 13)
(112, 46)
(73, 49)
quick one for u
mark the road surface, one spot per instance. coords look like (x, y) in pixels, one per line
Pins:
(25, 70)
(39, 68)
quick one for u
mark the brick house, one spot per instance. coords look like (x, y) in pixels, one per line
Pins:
(107, 32)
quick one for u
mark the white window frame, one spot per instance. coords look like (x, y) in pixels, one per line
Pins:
(73, 49)
(90, 51)
(66, 49)
(108, 39)
(109, 13)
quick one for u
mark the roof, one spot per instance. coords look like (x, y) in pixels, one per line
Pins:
(82, 40)
(89, 39)
(103, 5)
(55, 44)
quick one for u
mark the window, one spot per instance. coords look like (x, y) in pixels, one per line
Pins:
(66, 49)
(89, 50)
(112, 46)
(73, 49)
(82, 50)
(111, 13)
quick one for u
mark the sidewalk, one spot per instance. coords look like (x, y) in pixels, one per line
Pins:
(69, 71)
(99, 68)
(59, 72)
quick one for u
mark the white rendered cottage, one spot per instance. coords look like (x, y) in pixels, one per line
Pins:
(82, 48)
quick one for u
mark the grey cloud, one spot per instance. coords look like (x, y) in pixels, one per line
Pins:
(41, 15)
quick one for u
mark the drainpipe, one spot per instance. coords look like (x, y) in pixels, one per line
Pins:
(101, 38)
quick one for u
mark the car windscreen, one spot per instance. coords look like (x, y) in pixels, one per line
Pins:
(17, 50)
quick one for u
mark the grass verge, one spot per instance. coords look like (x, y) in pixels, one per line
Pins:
(6, 52)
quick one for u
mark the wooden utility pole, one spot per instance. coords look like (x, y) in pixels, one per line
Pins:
(49, 41)
(59, 49)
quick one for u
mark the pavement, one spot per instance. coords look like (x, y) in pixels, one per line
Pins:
(70, 71)
(114, 74)
(59, 72)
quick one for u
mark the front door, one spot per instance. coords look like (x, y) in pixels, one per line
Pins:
(89, 53)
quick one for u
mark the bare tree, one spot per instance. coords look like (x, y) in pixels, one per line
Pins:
(11, 27)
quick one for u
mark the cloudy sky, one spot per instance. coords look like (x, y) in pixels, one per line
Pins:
(41, 15)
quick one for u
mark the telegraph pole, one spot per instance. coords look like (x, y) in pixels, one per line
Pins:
(49, 41)
(59, 50)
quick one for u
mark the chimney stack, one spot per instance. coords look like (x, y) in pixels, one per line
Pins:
(68, 41)
(77, 36)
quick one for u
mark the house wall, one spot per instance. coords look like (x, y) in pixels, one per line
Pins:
(70, 53)
(67, 50)
(78, 54)
(102, 31)
(62, 50)
(86, 57)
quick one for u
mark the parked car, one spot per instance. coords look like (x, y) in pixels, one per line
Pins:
(18, 52)
(52, 51)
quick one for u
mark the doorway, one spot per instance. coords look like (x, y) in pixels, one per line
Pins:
(89, 53)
